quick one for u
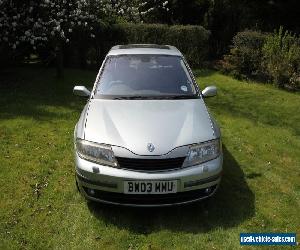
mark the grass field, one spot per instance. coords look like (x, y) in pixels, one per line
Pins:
(40, 207)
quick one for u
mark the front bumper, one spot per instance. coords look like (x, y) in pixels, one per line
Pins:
(106, 185)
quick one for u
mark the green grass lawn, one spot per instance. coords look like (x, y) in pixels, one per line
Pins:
(41, 208)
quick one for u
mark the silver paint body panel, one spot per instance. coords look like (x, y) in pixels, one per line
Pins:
(132, 124)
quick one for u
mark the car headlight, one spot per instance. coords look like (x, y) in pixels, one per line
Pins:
(95, 152)
(203, 152)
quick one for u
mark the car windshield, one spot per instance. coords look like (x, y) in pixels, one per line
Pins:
(145, 76)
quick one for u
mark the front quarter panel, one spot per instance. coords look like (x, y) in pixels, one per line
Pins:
(79, 128)
(216, 127)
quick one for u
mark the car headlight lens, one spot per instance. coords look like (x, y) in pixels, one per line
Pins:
(95, 152)
(203, 152)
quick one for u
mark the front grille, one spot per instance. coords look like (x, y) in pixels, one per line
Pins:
(150, 164)
(150, 199)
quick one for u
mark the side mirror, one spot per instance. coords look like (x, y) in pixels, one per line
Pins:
(81, 91)
(209, 91)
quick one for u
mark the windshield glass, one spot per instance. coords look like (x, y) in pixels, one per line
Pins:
(138, 76)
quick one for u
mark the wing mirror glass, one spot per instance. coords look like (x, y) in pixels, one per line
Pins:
(81, 91)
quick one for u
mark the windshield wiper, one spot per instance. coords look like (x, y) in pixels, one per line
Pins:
(180, 97)
(158, 97)
(136, 97)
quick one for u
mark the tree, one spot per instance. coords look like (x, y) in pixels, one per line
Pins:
(33, 24)
(29, 25)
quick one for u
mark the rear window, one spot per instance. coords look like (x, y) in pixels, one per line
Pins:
(145, 76)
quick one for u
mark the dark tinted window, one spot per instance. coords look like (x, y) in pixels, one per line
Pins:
(145, 76)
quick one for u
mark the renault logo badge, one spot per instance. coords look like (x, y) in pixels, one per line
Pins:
(150, 147)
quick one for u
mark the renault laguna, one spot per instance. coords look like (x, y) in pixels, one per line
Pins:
(145, 136)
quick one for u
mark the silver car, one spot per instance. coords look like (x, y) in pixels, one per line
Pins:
(145, 136)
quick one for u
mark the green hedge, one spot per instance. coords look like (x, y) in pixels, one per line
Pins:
(143, 33)
(245, 55)
(273, 57)
(192, 41)
(281, 58)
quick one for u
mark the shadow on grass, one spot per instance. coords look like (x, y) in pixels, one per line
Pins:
(35, 92)
(232, 204)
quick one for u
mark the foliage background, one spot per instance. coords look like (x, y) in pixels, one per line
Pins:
(191, 40)
(273, 57)
(252, 39)
(28, 25)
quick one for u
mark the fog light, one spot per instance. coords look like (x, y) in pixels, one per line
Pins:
(91, 192)
(96, 170)
(207, 190)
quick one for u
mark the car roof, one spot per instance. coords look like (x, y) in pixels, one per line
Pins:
(144, 49)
